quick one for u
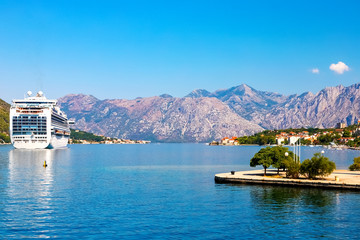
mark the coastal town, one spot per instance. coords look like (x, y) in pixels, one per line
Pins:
(341, 136)
(109, 141)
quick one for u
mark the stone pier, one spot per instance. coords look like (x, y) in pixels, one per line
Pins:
(339, 179)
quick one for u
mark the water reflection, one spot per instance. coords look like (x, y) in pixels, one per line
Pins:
(290, 199)
(30, 189)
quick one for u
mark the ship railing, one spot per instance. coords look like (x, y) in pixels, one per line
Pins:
(29, 111)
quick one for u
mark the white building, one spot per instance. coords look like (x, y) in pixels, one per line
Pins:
(293, 139)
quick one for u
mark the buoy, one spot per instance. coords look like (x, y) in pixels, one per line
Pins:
(45, 165)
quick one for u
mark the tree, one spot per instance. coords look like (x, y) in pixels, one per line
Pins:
(278, 156)
(4, 138)
(305, 141)
(356, 165)
(263, 157)
(243, 140)
(337, 136)
(350, 143)
(271, 156)
(346, 133)
(325, 139)
(317, 166)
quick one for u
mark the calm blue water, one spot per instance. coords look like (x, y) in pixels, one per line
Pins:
(162, 191)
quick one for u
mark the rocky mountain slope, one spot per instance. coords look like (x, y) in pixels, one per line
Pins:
(164, 119)
(247, 102)
(203, 116)
(324, 109)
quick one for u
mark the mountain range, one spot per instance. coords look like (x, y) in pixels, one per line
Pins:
(203, 116)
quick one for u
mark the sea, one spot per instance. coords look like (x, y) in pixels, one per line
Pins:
(163, 191)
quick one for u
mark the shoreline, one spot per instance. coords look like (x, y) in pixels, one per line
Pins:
(338, 147)
(339, 179)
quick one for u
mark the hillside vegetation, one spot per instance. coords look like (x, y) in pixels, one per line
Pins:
(77, 135)
(4, 121)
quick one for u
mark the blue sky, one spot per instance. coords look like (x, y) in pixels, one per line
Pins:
(127, 49)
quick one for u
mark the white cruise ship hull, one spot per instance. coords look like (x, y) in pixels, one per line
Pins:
(55, 142)
(58, 141)
(38, 123)
(24, 145)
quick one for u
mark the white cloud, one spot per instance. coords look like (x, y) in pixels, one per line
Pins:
(315, 71)
(339, 67)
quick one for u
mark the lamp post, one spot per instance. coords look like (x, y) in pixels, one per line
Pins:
(287, 154)
(322, 153)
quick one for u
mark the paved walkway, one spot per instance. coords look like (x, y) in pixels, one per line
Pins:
(340, 179)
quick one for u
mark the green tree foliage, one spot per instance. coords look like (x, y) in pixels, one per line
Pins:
(278, 156)
(82, 135)
(4, 121)
(305, 141)
(259, 139)
(262, 158)
(317, 166)
(347, 133)
(356, 165)
(337, 136)
(4, 138)
(326, 139)
(351, 143)
(271, 156)
(354, 143)
(292, 167)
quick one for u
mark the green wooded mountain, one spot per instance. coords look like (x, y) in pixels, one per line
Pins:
(4, 121)
(82, 135)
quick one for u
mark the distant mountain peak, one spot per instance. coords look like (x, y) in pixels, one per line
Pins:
(338, 87)
(158, 119)
(203, 116)
(240, 90)
(244, 89)
(165, 95)
(199, 93)
(306, 94)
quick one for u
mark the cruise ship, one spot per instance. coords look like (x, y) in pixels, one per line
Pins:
(37, 122)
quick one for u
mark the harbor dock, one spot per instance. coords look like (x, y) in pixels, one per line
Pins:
(339, 179)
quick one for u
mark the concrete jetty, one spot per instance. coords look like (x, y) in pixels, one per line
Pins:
(339, 179)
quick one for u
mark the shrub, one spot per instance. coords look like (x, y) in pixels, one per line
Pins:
(317, 166)
(356, 165)
(4, 138)
(293, 168)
